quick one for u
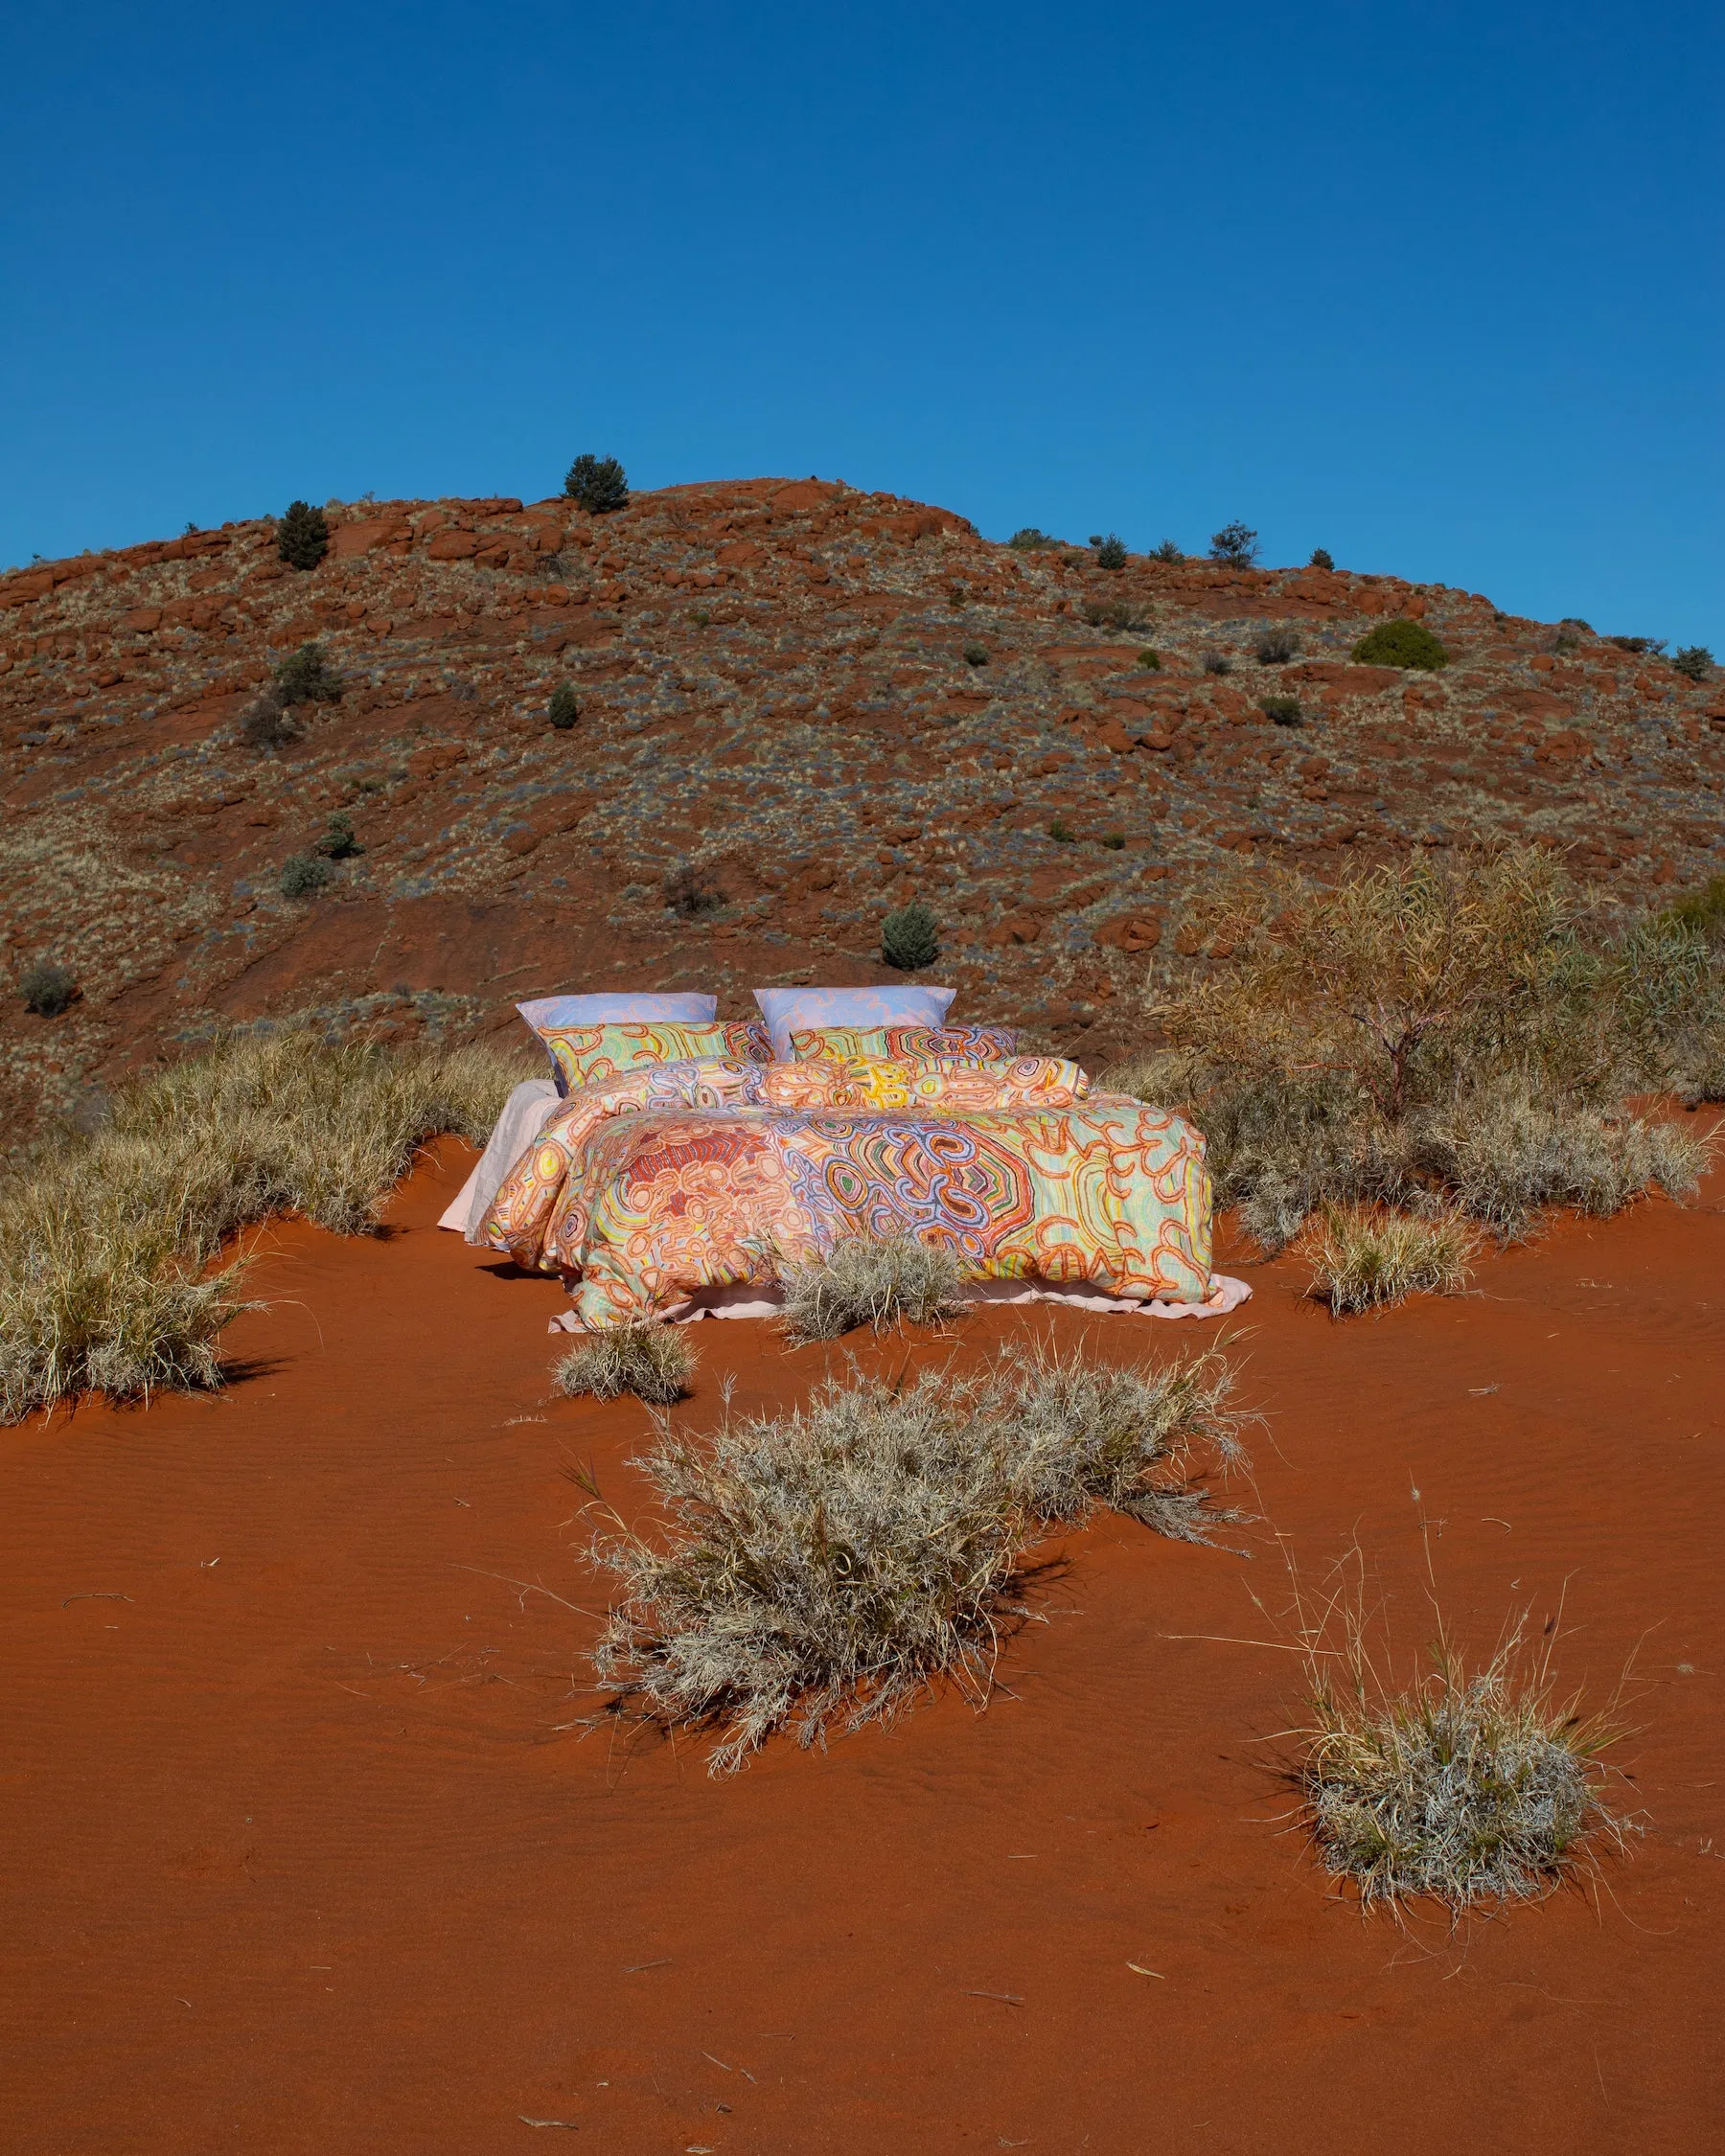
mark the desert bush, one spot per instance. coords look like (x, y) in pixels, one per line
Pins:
(597, 483)
(1466, 1786)
(264, 723)
(565, 707)
(107, 1238)
(1116, 614)
(1703, 911)
(1217, 662)
(1235, 545)
(1643, 646)
(303, 536)
(1320, 557)
(1362, 1258)
(307, 676)
(1463, 1032)
(1276, 647)
(1284, 711)
(1114, 841)
(1167, 551)
(653, 1361)
(1028, 539)
(871, 1280)
(833, 1562)
(910, 937)
(47, 988)
(976, 654)
(686, 895)
(1062, 832)
(340, 842)
(1151, 658)
(1111, 551)
(1694, 660)
(303, 876)
(1401, 643)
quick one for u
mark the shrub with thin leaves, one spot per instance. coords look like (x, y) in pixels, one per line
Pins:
(910, 937)
(653, 1361)
(48, 988)
(565, 707)
(871, 1280)
(303, 876)
(107, 1238)
(1694, 660)
(598, 484)
(1468, 1786)
(307, 676)
(265, 723)
(829, 1564)
(1276, 647)
(1362, 1258)
(303, 536)
(1235, 546)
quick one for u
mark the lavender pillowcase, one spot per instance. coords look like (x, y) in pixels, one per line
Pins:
(789, 1010)
(620, 1007)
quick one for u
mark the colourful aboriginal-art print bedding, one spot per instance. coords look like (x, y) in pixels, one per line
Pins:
(661, 1183)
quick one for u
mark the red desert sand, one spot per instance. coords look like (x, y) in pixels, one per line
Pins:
(303, 1857)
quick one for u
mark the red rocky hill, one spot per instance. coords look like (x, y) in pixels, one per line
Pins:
(775, 696)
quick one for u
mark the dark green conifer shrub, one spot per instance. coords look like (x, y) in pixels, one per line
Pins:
(1235, 545)
(1401, 643)
(47, 988)
(303, 536)
(910, 937)
(1322, 558)
(340, 841)
(597, 483)
(565, 707)
(1167, 551)
(1110, 551)
(307, 676)
(1696, 660)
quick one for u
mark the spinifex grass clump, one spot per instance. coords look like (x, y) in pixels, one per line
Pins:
(871, 1280)
(830, 1563)
(651, 1360)
(1463, 1032)
(106, 1240)
(1362, 1258)
(1470, 1787)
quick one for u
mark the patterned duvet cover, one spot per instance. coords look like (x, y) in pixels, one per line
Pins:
(716, 1173)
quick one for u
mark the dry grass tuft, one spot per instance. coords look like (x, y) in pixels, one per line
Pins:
(1468, 1786)
(107, 1239)
(1464, 1033)
(1363, 1259)
(871, 1280)
(832, 1562)
(651, 1360)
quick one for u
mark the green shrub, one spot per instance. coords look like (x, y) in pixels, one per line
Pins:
(564, 709)
(1060, 834)
(303, 536)
(1028, 540)
(1150, 657)
(1694, 660)
(1110, 551)
(338, 841)
(1639, 647)
(597, 483)
(1285, 711)
(47, 988)
(303, 875)
(1235, 545)
(307, 676)
(976, 654)
(1703, 910)
(1276, 647)
(1167, 551)
(1217, 662)
(1116, 841)
(264, 723)
(1321, 558)
(1401, 643)
(910, 937)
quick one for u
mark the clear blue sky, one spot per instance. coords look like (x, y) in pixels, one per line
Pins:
(1436, 287)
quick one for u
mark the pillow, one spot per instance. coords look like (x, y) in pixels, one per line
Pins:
(907, 1043)
(879, 1082)
(619, 1007)
(587, 1055)
(787, 1009)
